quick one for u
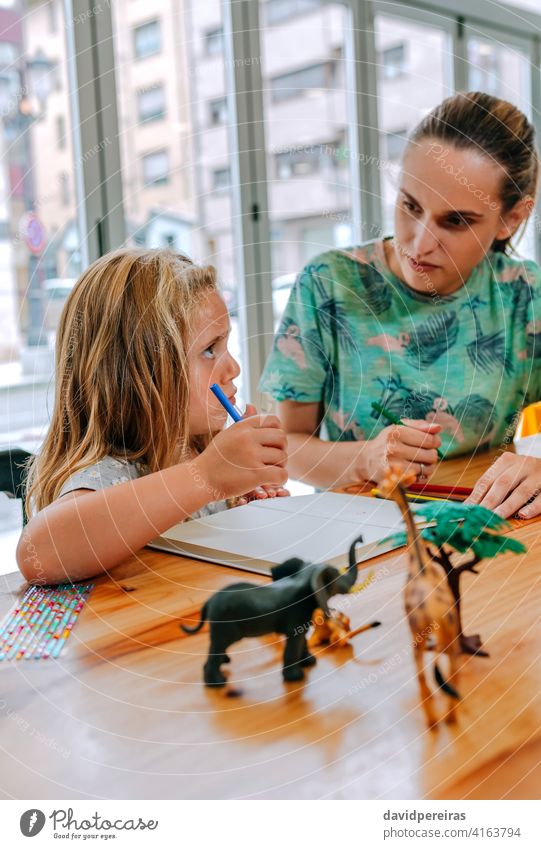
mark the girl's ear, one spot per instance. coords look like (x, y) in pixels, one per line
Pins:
(511, 221)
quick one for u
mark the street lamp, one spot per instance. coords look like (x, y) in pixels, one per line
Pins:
(38, 73)
(20, 106)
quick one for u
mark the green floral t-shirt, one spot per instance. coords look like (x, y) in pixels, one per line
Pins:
(353, 333)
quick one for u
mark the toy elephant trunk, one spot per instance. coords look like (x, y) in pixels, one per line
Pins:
(348, 579)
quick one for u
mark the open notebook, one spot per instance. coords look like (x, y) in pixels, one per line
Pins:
(258, 535)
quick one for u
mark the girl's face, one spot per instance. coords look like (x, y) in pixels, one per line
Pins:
(210, 362)
(447, 215)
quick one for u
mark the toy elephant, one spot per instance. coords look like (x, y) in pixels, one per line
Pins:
(284, 607)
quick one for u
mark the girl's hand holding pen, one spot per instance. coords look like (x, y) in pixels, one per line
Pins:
(414, 443)
(251, 453)
(260, 492)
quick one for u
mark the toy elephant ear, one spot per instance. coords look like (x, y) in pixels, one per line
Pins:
(287, 568)
(323, 583)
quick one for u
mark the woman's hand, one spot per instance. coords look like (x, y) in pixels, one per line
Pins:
(511, 486)
(414, 444)
(251, 453)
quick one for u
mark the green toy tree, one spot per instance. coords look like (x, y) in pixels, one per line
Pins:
(458, 527)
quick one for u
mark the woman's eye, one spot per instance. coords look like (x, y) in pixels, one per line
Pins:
(409, 206)
(209, 352)
(458, 221)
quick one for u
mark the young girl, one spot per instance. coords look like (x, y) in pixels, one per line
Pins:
(437, 324)
(135, 443)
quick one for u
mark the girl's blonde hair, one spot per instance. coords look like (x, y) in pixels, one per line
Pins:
(495, 128)
(122, 382)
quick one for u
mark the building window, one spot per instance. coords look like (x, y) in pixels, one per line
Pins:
(53, 21)
(221, 179)
(310, 159)
(281, 10)
(297, 83)
(156, 168)
(395, 142)
(214, 41)
(64, 181)
(147, 39)
(484, 67)
(60, 132)
(394, 62)
(151, 103)
(218, 111)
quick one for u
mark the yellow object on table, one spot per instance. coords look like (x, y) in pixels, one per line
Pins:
(529, 422)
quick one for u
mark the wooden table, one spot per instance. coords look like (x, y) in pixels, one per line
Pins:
(123, 712)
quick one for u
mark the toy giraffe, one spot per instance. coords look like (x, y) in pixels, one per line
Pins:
(429, 602)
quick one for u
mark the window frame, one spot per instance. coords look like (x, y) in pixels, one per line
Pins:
(154, 116)
(282, 96)
(386, 68)
(161, 181)
(138, 57)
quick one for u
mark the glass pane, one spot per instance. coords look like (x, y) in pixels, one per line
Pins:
(306, 129)
(503, 71)
(173, 123)
(414, 75)
(530, 5)
(39, 240)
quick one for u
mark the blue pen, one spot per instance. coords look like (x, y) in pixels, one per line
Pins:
(233, 411)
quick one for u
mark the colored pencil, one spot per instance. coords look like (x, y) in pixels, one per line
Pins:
(61, 634)
(43, 616)
(46, 626)
(17, 633)
(439, 489)
(10, 621)
(413, 497)
(395, 420)
(31, 626)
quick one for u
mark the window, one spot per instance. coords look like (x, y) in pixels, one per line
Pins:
(64, 182)
(147, 39)
(484, 66)
(60, 132)
(53, 23)
(301, 161)
(307, 123)
(221, 179)
(156, 168)
(394, 62)
(8, 54)
(296, 83)
(395, 142)
(414, 74)
(214, 41)
(280, 10)
(218, 111)
(151, 103)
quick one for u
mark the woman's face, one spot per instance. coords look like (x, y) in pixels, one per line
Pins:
(447, 215)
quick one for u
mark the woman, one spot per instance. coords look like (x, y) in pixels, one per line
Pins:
(438, 324)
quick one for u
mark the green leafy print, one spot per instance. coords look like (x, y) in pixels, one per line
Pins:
(487, 352)
(433, 338)
(377, 294)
